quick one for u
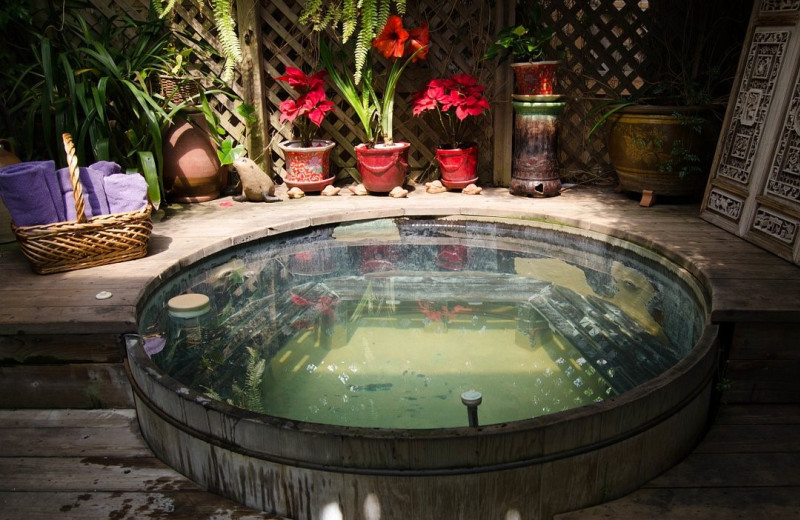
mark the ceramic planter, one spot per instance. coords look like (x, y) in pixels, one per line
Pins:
(646, 142)
(536, 78)
(308, 168)
(192, 171)
(458, 166)
(534, 169)
(382, 167)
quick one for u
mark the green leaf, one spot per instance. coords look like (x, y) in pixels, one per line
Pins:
(228, 153)
(150, 172)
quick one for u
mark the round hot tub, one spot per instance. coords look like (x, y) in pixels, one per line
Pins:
(425, 368)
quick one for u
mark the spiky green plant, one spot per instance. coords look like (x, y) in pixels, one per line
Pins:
(362, 18)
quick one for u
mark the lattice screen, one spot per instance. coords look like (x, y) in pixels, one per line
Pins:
(600, 39)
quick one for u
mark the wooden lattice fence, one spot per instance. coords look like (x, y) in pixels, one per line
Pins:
(599, 40)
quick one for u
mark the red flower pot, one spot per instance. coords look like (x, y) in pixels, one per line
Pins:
(458, 166)
(382, 167)
(308, 168)
(536, 78)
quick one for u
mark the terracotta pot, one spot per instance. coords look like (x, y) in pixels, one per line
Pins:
(458, 166)
(308, 168)
(646, 142)
(382, 167)
(536, 78)
(191, 165)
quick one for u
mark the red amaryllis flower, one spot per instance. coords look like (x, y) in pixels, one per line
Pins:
(391, 42)
(418, 39)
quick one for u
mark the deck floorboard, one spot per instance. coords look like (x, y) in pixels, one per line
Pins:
(94, 464)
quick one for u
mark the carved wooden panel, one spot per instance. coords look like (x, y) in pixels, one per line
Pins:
(754, 187)
(777, 6)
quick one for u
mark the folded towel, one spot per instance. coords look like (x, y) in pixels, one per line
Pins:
(106, 167)
(25, 192)
(125, 192)
(94, 196)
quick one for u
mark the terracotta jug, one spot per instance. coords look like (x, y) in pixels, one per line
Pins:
(7, 153)
(191, 166)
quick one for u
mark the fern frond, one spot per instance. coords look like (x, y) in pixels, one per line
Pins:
(253, 377)
(383, 11)
(400, 5)
(369, 15)
(348, 19)
(310, 13)
(162, 9)
(226, 32)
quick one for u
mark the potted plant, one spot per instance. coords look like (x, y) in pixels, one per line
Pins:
(382, 162)
(454, 99)
(198, 153)
(527, 43)
(307, 159)
(662, 141)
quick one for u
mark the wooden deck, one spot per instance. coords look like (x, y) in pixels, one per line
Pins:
(69, 444)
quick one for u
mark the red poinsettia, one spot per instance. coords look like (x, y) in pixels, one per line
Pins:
(310, 106)
(454, 99)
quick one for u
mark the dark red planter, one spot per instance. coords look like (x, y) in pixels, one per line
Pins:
(382, 167)
(458, 166)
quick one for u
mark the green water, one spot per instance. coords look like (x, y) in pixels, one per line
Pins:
(406, 370)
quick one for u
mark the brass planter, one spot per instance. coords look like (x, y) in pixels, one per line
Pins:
(649, 146)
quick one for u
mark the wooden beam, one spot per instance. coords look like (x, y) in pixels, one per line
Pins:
(248, 14)
(503, 124)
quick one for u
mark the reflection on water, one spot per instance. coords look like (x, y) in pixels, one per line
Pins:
(385, 324)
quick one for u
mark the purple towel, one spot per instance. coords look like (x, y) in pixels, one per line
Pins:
(94, 196)
(125, 192)
(25, 191)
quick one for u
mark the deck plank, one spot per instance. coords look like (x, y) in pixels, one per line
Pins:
(697, 504)
(171, 505)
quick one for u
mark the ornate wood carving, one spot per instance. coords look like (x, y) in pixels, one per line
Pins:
(770, 6)
(754, 188)
(764, 59)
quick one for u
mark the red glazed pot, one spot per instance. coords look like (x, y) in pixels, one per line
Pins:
(458, 166)
(536, 78)
(382, 167)
(308, 167)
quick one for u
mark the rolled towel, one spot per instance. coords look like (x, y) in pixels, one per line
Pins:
(125, 192)
(26, 193)
(94, 196)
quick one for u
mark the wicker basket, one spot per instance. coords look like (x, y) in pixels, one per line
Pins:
(105, 239)
(178, 89)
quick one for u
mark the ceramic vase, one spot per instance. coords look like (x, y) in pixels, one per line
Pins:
(382, 167)
(536, 78)
(307, 168)
(458, 166)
